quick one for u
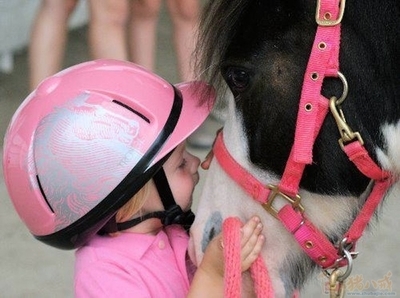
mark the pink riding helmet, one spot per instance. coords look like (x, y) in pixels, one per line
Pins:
(87, 139)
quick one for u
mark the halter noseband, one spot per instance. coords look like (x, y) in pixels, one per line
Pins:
(313, 108)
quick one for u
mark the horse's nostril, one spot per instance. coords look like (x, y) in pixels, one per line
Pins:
(211, 235)
(212, 228)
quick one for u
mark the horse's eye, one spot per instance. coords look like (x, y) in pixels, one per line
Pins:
(237, 79)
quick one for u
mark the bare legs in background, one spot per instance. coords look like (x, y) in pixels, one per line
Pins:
(48, 39)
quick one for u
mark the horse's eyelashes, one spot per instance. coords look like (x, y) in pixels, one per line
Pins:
(238, 79)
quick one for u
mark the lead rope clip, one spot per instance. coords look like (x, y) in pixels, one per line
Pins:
(337, 277)
(337, 287)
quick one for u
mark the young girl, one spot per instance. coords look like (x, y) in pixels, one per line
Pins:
(150, 260)
(94, 159)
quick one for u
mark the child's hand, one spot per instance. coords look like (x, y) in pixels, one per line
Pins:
(209, 277)
(205, 164)
(251, 244)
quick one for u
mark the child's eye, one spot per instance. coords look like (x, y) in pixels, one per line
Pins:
(183, 163)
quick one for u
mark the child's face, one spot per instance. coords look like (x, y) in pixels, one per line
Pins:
(181, 170)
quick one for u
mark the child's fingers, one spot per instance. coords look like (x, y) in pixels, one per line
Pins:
(250, 241)
(205, 164)
(248, 259)
(249, 228)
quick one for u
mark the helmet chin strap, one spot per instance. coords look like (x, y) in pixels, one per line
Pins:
(172, 214)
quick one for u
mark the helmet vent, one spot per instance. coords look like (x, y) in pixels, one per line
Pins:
(44, 196)
(132, 110)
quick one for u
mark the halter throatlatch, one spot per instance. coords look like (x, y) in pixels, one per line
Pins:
(313, 108)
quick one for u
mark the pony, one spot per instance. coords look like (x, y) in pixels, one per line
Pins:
(264, 52)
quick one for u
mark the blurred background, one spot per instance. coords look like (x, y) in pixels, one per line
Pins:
(29, 268)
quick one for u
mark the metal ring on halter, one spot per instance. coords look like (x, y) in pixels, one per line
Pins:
(344, 245)
(346, 274)
(344, 251)
(345, 88)
(349, 268)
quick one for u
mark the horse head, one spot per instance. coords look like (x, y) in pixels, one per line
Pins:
(263, 52)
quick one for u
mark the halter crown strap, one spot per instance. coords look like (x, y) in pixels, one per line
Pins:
(323, 62)
(313, 107)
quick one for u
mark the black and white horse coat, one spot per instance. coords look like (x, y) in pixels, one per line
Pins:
(261, 49)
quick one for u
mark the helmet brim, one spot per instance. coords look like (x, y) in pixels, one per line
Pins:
(194, 113)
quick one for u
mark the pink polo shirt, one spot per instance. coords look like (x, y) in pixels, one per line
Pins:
(133, 265)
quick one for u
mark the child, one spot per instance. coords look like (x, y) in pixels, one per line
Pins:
(150, 260)
(98, 149)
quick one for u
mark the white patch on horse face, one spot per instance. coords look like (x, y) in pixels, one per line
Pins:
(390, 160)
(328, 212)
(222, 194)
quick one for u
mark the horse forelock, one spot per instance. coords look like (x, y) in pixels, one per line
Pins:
(217, 25)
(222, 20)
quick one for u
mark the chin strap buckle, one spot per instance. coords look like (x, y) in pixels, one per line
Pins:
(175, 215)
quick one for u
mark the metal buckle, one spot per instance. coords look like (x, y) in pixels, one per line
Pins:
(325, 22)
(295, 202)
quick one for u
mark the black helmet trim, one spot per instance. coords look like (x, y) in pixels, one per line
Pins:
(77, 233)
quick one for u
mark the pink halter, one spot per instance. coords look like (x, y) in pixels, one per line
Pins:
(313, 107)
